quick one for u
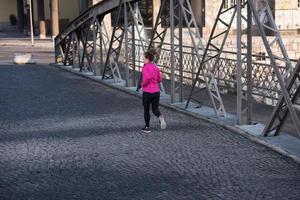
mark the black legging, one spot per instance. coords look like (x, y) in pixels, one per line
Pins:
(153, 100)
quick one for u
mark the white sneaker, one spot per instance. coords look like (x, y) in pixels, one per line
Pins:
(162, 122)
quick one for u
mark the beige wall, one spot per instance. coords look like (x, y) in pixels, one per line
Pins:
(107, 18)
(286, 4)
(287, 19)
(156, 6)
(287, 15)
(68, 9)
(7, 7)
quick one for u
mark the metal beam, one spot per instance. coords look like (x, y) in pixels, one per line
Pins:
(205, 69)
(111, 68)
(281, 78)
(280, 113)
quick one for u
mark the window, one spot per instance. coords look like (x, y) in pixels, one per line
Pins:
(198, 7)
(229, 3)
(232, 2)
(226, 4)
(146, 9)
(114, 15)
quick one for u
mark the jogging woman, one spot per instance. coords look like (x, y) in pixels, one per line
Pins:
(151, 93)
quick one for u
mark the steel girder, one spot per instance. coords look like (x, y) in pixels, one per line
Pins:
(205, 70)
(185, 14)
(244, 62)
(281, 110)
(83, 44)
(137, 40)
(285, 80)
(244, 59)
(176, 23)
(86, 34)
(80, 40)
(102, 44)
(68, 60)
(181, 11)
(133, 23)
(89, 36)
(111, 68)
(102, 8)
(75, 49)
(209, 55)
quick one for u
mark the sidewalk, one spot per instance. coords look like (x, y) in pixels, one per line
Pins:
(12, 42)
(19, 39)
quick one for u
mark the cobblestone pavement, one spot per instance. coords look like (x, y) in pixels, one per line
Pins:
(65, 137)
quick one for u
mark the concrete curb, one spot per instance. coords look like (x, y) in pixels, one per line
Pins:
(46, 45)
(179, 110)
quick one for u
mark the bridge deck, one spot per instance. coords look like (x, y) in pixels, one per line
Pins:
(63, 137)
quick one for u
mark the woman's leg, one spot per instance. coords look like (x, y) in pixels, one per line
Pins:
(146, 104)
(156, 112)
(155, 104)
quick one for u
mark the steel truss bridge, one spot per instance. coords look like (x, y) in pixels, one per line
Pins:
(117, 54)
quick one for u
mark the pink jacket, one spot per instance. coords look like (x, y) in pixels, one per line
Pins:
(151, 78)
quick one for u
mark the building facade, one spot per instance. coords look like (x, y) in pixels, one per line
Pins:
(41, 11)
(14, 16)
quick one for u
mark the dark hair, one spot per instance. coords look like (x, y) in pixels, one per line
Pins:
(151, 54)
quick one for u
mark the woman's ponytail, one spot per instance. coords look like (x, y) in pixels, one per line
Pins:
(151, 54)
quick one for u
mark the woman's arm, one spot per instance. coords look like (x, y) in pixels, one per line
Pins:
(159, 77)
(145, 77)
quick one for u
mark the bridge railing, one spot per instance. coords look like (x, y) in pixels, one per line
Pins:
(266, 88)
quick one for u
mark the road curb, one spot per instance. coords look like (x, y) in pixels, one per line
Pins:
(43, 45)
(197, 116)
